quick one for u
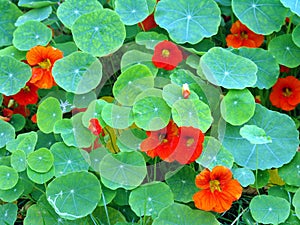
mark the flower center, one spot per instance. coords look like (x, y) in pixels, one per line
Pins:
(165, 53)
(214, 185)
(26, 89)
(286, 92)
(190, 142)
(244, 35)
(46, 64)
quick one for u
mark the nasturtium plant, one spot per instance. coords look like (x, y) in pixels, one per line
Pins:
(78, 72)
(126, 170)
(25, 142)
(13, 75)
(30, 34)
(263, 17)
(38, 14)
(9, 14)
(132, 82)
(186, 21)
(69, 11)
(7, 133)
(68, 196)
(99, 33)
(235, 72)
(272, 124)
(269, 209)
(237, 106)
(146, 200)
(149, 112)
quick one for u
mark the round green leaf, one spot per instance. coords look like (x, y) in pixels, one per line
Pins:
(114, 215)
(151, 113)
(13, 75)
(149, 39)
(8, 213)
(8, 177)
(12, 194)
(224, 68)
(36, 3)
(237, 107)
(133, 57)
(40, 160)
(132, 82)
(96, 157)
(130, 139)
(214, 154)
(30, 34)
(244, 176)
(268, 68)
(195, 113)
(182, 214)
(73, 132)
(279, 127)
(290, 172)
(25, 142)
(182, 184)
(74, 195)
(99, 33)
(18, 121)
(124, 170)
(296, 35)
(107, 195)
(12, 51)
(293, 5)
(269, 209)
(254, 134)
(18, 160)
(172, 92)
(48, 113)
(263, 17)
(262, 178)
(133, 11)
(69, 11)
(45, 140)
(9, 13)
(279, 191)
(118, 117)
(149, 199)
(285, 51)
(40, 178)
(296, 202)
(186, 21)
(78, 72)
(67, 159)
(7, 133)
(35, 14)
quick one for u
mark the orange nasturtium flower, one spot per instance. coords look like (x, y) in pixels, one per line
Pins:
(243, 36)
(42, 59)
(218, 190)
(285, 93)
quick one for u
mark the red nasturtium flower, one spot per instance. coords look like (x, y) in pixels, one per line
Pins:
(166, 55)
(159, 143)
(95, 126)
(218, 190)
(285, 93)
(42, 59)
(243, 36)
(27, 95)
(183, 144)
